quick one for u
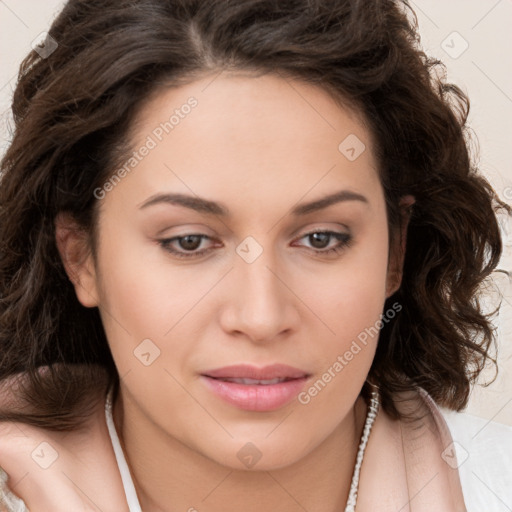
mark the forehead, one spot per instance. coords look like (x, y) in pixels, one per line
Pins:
(252, 110)
(260, 138)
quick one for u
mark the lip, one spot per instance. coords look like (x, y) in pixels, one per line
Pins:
(256, 397)
(246, 371)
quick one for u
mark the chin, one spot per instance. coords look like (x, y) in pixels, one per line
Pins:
(258, 456)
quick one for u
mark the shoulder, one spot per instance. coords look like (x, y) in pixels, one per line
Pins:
(484, 458)
(404, 459)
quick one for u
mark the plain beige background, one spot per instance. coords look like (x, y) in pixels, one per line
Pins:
(474, 40)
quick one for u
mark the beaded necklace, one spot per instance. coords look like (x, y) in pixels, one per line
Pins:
(370, 419)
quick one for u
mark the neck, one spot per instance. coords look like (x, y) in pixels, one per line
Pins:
(166, 471)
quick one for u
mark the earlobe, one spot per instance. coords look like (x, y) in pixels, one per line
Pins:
(73, 247)
(397, 252)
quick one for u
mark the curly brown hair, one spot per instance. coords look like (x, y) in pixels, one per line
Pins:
(73, 112)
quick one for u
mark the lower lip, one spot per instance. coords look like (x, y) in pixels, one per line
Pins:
(256, 397)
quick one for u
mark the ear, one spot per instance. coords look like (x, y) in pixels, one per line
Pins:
(397, 251)
(72, 244)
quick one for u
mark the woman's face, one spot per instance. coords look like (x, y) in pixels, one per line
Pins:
(243, 166)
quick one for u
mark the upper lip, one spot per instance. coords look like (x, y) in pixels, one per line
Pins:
(246, 371)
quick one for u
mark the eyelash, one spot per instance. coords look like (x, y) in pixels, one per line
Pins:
(345, 241)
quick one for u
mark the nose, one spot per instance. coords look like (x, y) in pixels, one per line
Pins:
(261, 304)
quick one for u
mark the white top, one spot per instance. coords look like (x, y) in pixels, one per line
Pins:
(483, 450)
(484, 454)
(129, 487)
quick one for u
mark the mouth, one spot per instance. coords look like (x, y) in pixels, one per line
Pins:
(250, 372)
(256, 389)
(257, 382)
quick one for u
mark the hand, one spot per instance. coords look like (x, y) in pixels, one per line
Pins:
(63, 471)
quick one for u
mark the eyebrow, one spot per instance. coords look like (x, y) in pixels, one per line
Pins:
(206, 206)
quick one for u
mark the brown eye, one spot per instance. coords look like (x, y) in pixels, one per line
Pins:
(190, 242)
(319, 240)
(184, 246)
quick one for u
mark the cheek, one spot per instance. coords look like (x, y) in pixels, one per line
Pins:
(143, 288)
(350, 302)
(142, 300)
(353, 292)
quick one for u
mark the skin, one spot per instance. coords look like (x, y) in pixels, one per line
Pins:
(260, 146)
